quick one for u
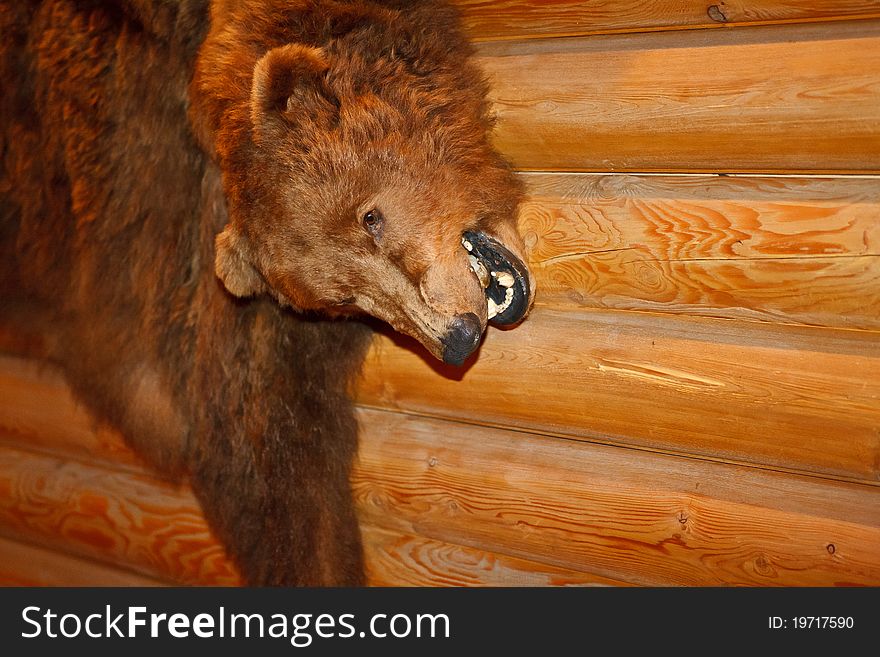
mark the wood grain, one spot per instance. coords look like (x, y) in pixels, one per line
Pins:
(117, 517)
(797, 398)
(517, 19)
(100, 466)
(393, 559)
(396, 559)
(30, 565)
(134, 520)
(645, 518)
(786, 397)
(797, 250)
(556, 512)
(704, 100)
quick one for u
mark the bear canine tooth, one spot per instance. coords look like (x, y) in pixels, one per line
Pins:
(480, 270)
(483, 275)
(466, 244)
(473, 261)
(492, 308)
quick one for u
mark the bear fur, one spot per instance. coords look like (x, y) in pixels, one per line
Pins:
(195, 195)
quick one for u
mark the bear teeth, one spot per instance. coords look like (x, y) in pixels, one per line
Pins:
(494, 309)
(480, 270)
(504, 278)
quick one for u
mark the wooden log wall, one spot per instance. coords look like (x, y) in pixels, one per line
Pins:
(696, 397)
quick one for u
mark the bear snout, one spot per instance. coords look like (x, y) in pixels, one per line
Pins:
(462, 338)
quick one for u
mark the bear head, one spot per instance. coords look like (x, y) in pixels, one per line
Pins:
(359, 177)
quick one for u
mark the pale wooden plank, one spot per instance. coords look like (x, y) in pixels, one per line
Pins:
(786, 397)
(517, 19)
(31, 565)
(646, 518)
(803, 250)
(764, 99)
(396, 559)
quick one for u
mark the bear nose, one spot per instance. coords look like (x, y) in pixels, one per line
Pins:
(462, 338)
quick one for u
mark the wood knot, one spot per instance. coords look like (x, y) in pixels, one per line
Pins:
(716, 13)
(764, 567)
(831, 549)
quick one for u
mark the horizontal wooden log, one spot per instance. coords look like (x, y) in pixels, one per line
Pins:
(397, 559)
(796, 398)
(30, 565)
(118, 517)
(646, 518)
(516, 19)
(796, 250)
(392, 559)
(526, 509)
(124, 519)
(39, 414)
(763, 99)
(786, 397)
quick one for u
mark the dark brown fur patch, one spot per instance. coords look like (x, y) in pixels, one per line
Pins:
(128, 142)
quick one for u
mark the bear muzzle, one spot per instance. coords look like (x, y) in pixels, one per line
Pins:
(503, 276)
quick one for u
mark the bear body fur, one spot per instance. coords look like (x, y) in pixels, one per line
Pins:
(318, 158)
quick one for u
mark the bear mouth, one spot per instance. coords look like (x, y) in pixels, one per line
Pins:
(502, 275)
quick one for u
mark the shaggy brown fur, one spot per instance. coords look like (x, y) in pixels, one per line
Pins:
(135, 134)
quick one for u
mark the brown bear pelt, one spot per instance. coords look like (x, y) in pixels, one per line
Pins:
(194, 197)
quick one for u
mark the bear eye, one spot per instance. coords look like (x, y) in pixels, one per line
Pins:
(372, 221)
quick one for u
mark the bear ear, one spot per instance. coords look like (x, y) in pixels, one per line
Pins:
(291, 81)
(234, 267)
